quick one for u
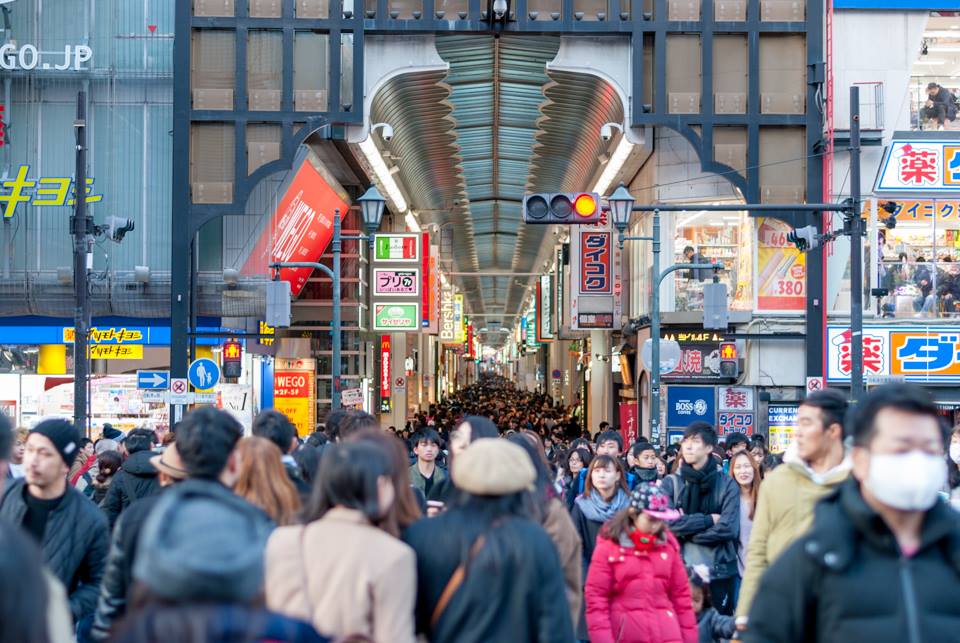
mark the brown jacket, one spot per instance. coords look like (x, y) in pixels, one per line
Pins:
(345, 576)
(559, 526)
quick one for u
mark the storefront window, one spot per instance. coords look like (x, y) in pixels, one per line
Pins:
(934, 85)
(918, 274)
(711, 237)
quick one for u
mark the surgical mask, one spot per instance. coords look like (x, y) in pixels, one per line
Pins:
(955, 452)
(907, 481)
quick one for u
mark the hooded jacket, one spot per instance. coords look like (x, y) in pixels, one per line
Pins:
(639, 596)
(137, 478)
(846, 580)
(784, 512)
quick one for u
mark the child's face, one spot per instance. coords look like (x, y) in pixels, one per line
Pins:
(696, 595)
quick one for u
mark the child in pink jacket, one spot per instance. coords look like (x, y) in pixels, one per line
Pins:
(637, 589)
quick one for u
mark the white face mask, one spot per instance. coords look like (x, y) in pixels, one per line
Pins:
(907, 481)
(955, 452)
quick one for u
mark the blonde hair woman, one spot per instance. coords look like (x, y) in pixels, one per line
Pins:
(263, 481)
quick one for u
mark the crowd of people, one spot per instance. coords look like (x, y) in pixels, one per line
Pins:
(491, 517)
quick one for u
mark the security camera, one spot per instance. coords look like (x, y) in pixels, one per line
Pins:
(387, 133)
(606, 132)
(499, 8)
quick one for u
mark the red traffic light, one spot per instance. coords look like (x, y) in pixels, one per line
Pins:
(728, 351)
(585, 205)
(232, 351)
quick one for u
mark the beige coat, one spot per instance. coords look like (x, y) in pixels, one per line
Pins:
(348, 577)
(559, 526)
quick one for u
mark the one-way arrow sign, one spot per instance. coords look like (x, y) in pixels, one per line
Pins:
(153, 380)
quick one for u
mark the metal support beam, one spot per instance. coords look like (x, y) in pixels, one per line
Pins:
(82, 226)
(856, 252)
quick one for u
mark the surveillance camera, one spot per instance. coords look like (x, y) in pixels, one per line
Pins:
(606, 132)
(387, 133)
(499, 8)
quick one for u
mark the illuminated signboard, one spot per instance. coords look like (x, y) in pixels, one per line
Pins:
(396, 317)
(396, 247)
(911, 352)
(920, 166)
(396, 283)
(595, 262)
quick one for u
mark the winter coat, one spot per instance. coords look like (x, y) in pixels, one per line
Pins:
(513, 589)
(418, 481)
(784, 513)
(563, 533)
(714, 627)
(137, 478)
(345, 576)
(638, 596)
(846, 580)
(74, 543)
(699, 529)
(118, 574)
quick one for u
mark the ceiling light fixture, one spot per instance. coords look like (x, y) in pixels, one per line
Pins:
(369, 149)
(613, 167)
(411, 220)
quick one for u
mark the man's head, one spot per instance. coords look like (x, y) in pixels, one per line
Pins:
(820, 424)
(19, 445)
(688, 253)
(604, 426)
(698, 442)
(139, 440)
(276, 427)
(932, 89)
(333, 421)
(643, 455)
(86, 449)
(735, 443)
(426, 445)
(51, 448)
(206, 442)
(899, 441)
(609, 443)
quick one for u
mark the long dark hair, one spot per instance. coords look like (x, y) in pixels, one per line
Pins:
(109, 463)
(23, 590)
(348, 478)
(405, 510)
(543, 487)
(757, 478)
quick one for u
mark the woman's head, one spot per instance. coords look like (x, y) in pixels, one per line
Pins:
(263, 480)
(605, 475)
(108, 464)
(471, 428)
(405, 510)
(577, 459)
(747, 474)
(353, 476)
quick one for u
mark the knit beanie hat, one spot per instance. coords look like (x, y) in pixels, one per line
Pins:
(65, 438)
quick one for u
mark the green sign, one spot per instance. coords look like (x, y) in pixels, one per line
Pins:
(393, 318)
(532, 330)
(403, 248)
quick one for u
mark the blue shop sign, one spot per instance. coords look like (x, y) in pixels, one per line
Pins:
(686, 404)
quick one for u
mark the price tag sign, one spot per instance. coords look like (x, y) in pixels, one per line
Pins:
(781, 268)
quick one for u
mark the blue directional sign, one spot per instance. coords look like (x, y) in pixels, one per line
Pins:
(153, 380)
(203, 374)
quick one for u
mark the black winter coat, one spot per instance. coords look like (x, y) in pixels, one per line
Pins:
(74, 543)
(136, 479)
(846, 580)
(513, 589)
(118, 575)
(699, 529)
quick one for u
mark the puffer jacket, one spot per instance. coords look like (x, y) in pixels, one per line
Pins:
(74, 543)
(638, 596)
(136, 479)
(846, 580)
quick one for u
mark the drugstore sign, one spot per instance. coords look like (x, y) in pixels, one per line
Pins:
(920, 166)
(928, 354)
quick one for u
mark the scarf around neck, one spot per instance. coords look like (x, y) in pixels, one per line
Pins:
(595, 508)
(645, 475)
(697, 496)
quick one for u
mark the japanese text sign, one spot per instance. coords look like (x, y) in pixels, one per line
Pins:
(294, 395)
(396, 317)
(385, 375)
(735, 398)
(395, 283)
(920, 166)
(728, 423)
(595, 296)
(912, 353)
(596, 277)
(43, 191)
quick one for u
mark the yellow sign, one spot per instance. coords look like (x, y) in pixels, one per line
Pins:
(105, 335)
(782, 268)
(459, 320)
(266, 330)
(116, 351)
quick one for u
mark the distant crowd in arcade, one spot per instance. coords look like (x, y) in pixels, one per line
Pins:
(488, 518)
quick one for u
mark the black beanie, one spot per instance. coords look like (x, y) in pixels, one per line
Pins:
(64, 436)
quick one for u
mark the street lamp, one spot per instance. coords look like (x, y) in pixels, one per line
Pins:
(621, 205)
(371, 204)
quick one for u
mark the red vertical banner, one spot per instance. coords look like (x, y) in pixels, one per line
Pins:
(629, 422)
(470, 340)
(385, 376)
(425, 276)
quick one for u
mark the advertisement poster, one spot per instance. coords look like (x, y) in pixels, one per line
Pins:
(901, 352)
(295, 394)
(301, 228)
(781, 269)
(396, 317)
(685, 404)
(629, 421)
(782, 421)
(396, 283)
(397, 247)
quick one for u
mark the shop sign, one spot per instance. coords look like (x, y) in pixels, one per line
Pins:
(781, 422)
(396, 317)
(545, 308)
(735, 398)
(459, 324)
(781, 269)
(264, 329)
(385, 366)
(559, 287)
(295, 395)
(396, 283)
(920, 166)
(629, 422)
(396, 248)
(596, 274)
(728, 423)
(595, 283)
(352, 397)
(115, 351)
(532, 330)
(900, 353)
(448, 333)
(425, 304)
(926, 210)
(301, 227)
(697, 361)
(28, 57)
(44, 191)
(686, 404)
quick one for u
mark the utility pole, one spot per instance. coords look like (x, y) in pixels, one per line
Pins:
(82, 227)
(856, 252)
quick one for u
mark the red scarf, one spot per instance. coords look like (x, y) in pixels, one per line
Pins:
(86, 467)
(643, 541)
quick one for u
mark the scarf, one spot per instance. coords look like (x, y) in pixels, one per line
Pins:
(697, 494)
(595, 508)
(645, 475)
(643, 541)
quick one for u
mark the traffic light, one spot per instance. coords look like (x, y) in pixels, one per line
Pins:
(568, 208)
(232, 358)
(729, 363)
(805, 238)
(891, 208)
